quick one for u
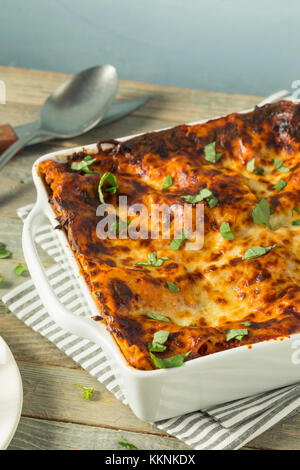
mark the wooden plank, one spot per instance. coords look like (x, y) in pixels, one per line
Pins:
(34, 434)
(28, 345)
(50, 392)
(283, 436)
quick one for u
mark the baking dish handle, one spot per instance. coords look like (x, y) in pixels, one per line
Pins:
(79, 326)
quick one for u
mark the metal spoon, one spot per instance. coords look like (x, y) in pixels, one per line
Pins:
(74, 108)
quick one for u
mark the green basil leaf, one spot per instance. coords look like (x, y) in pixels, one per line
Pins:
(158, 343)
(167, 182)
(84, 164)
(127, 445)
(206, 195)
(210, 154)
(257, 251)
(193, 199)
(111, 179)
(212, 201)
(87, 391)
(280, 185)
(296, 222)
(236, 334)
(152, 258)
(251, 165)
(172, 287)
(160, 336)
(246, 323)
(119, 225)
(251, 168)
(261, 213)
(153, 261)
(279, 165)
(176, 243)
(20, 269)
(78, 166)
(2, 246)
(169, 362)
(4, 253)
(157, 317)
(295, 209)
(226, 231)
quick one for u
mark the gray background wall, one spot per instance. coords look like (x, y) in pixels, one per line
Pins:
(245, 46)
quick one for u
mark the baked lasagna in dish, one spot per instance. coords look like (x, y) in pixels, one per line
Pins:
(163, 304)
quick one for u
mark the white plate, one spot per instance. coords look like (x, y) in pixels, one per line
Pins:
(11, 395)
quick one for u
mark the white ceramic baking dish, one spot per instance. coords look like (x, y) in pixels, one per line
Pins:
(159, 394)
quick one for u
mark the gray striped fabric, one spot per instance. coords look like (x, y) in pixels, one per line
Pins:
(227, 426)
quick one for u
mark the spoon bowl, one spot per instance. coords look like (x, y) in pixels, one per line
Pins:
(78, 104)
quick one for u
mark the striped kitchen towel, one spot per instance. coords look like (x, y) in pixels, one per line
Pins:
(227, 426)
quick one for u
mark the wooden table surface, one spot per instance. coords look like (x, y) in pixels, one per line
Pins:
(55, 416)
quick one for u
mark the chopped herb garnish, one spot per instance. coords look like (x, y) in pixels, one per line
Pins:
(157, 317)
(84, 165)
(169, 362)
(119, 226)
(193, 324)
(226, 231)
(246, 323)
(251, 167)
(111, 179)
(280, 185)
(257, 251)
(2, 246)
(153, 261)
(236, 334)
(127, 445)
(4, 253)
(172, 287)
(206, 195)
(261, 213)
(296, 222)
(176, 243)
(279, 165)
(87, 391)
(20, 269)
(210, 154)
(158, 342)
(295, 209)
(167, 182)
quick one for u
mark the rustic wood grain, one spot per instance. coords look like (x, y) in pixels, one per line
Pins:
(48, 392)
(34, 434)
(54, 415)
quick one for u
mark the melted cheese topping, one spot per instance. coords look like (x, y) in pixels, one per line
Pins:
(218, 290)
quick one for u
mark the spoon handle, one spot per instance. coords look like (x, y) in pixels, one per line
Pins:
(18, 145)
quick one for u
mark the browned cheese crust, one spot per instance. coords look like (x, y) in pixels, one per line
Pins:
(218, 291)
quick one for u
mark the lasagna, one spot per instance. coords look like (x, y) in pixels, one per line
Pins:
(164, 304)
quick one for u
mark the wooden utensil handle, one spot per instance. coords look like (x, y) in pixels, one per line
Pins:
(7, 137)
